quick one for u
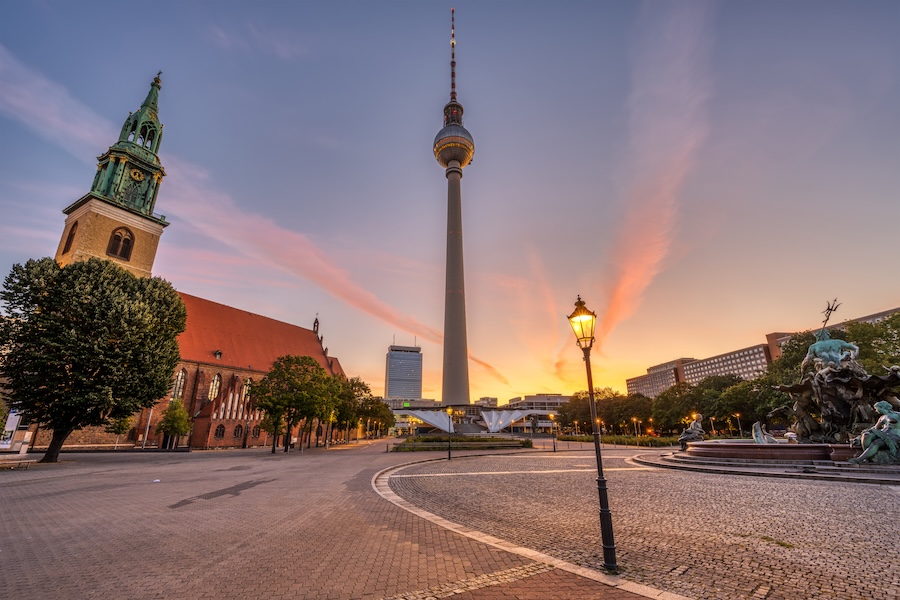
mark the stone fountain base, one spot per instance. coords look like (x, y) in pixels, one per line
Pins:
(774, 452)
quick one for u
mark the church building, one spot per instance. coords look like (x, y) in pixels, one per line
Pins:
(223, 349)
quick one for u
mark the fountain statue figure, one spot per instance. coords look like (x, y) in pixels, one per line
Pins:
(881, 442)
(693, 433)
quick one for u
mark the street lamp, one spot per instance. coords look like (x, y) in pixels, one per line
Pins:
(552, 423)
(583, 322)
(449, 429)
(741, 429)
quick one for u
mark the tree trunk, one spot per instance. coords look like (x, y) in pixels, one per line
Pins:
(56, 443)
(274, 440)
(287, 436)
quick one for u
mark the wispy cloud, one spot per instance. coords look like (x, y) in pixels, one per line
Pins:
(50, 110)
(667, 125)
(253, 37)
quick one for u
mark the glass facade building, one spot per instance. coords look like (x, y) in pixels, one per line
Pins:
(403, 372)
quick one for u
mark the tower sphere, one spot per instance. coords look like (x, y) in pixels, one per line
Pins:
(454, 143)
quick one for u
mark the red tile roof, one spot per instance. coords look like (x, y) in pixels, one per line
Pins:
(246, 340)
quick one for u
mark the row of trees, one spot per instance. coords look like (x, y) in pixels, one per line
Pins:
(297, 390)
(732, 402)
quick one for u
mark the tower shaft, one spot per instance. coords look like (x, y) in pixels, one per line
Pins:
(453, 149)
(455, 388)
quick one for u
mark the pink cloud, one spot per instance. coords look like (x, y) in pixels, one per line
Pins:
(667, 125)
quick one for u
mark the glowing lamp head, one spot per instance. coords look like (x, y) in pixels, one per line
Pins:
(583, 322)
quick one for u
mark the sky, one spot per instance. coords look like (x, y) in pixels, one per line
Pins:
(701, 173)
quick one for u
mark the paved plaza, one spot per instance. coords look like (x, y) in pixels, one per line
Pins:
(249, 524)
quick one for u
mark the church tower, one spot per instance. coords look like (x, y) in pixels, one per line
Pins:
(115, 220)
(453, 149)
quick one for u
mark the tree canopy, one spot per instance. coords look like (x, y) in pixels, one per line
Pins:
(294, 389)
(86, 344)
(175, 421)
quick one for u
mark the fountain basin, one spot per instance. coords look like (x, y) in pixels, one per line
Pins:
(774, 452)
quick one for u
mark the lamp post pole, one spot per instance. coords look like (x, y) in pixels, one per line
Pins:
(740, 429)
(583, 321)
(449, 430)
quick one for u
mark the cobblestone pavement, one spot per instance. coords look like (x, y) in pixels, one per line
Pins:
(248, 524)
(705, 536)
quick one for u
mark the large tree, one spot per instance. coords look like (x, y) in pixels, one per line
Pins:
(86, 344)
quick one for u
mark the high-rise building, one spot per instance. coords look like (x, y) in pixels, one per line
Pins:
(453, 149)
(403, 373)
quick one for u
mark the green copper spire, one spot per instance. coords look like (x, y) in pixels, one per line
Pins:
(129, 173)
(143, 129)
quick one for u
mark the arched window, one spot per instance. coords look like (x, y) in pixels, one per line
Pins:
(178, 386)
(70, 238)
(245, 399)
(220, 431)
(148, 132)
(120, 244)
(256, 431)
(214, 387)
(238, 431)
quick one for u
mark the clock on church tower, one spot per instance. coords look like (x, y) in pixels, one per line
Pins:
(115, 220)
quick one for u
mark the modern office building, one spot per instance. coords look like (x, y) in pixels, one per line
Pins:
(746, 363)
(453, 149)
(403, 373)
(659, 378)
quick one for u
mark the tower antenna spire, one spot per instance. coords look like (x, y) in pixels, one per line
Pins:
(452, 55)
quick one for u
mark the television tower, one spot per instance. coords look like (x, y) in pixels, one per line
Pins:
(453, 149)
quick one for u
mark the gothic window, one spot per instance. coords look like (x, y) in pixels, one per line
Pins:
(120, 244)
(214, 387)
(178, 386)
(256, 431)
(70, 238)
(220, 431)
(238, 431)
